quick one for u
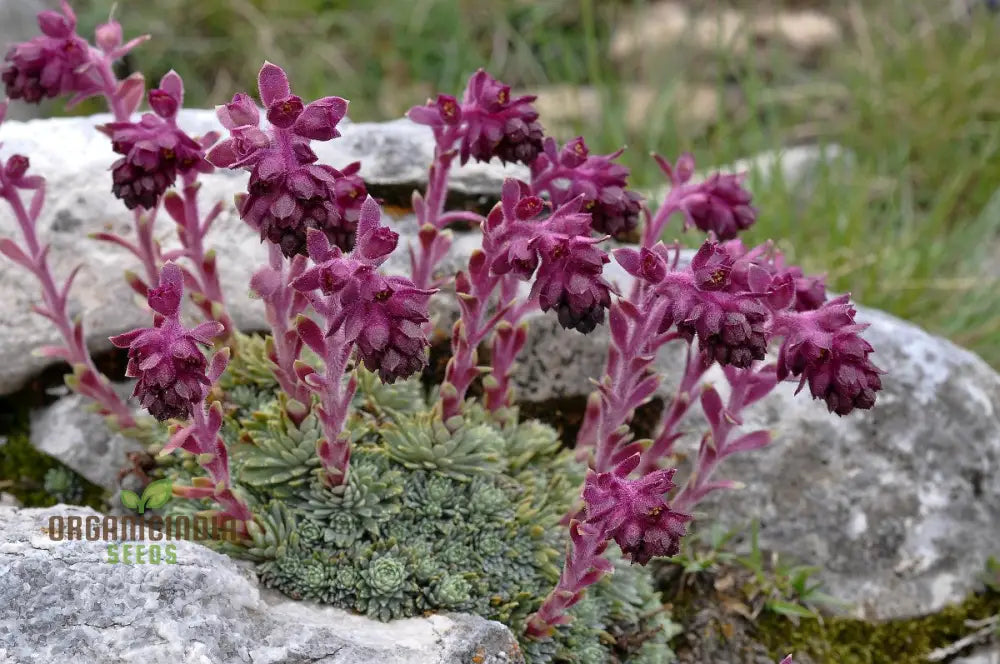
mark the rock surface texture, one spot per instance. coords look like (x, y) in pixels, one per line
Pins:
(898, 505)
(61, 601)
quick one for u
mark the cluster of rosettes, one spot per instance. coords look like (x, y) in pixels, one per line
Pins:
(570, 265)
(165, 358)
(154, 150)
(382, 315)
(572, 171)
(289, 193)
(51, 64)
(633, 512)
(489, 122)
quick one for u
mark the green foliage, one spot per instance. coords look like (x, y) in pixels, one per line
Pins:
(35, 478)
(430, 519)
(852, 641)
(63, 484)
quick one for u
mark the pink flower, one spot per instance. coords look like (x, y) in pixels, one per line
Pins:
(48, 65)
(165, 358)
(720, 205)
(573, 172)
(825, 349)
(492, 124)
(570, 281)
(382, 315)
(731, 327)
(289, 193)
(154, 149)
(634, 512)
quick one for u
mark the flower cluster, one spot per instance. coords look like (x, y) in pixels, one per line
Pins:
(719, 205)
(382, 314)
(569, 278)
(633, 512)
(154, 150)
(289, 193)
(493, 124)
(165, 358)
(572, 171)
(823, 347)
(51, 64)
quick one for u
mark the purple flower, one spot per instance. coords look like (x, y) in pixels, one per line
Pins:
(382, 315)
(825, 349)
(573, 172)
(720, 205)
(165, 358)
(154, 149)
(731, 327)
(48, 65)
(570, 280)
(634, 512)
(497, 125)
(289, 193)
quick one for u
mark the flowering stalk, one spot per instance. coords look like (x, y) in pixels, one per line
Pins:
(283, 304)
(289, 198)
(556, 253)
(747, 386)
(509, 337)
(174, 380)
(584, 566)
(191, 230)
(32, 255)
(487, 123)
(382, 317)
(688, 393)
(720, 204)
(633, 513)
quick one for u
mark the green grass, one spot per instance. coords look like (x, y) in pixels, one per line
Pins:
(909, 228)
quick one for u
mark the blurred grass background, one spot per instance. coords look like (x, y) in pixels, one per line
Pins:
(910, 88)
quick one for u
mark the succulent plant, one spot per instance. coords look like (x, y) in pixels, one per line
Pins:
(427, 520)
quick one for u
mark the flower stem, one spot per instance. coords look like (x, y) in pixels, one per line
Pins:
(87, 380)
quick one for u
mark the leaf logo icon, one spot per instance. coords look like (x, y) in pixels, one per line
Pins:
(156, 495)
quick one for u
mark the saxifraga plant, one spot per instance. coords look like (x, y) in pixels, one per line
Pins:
(347, 482)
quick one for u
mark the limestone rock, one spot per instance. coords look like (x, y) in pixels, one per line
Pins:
(897, 505)
(81, 439)
(62, 601)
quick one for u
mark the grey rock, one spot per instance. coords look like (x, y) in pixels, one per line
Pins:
(61, 600)
(69, 431)
(897, 505)
(74, 157)
(991, 656)
(9, 500)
